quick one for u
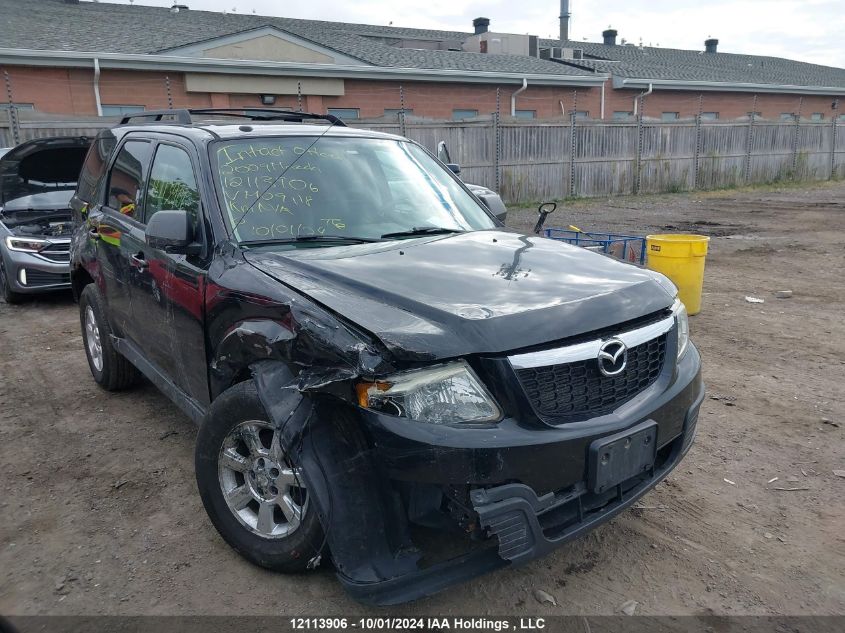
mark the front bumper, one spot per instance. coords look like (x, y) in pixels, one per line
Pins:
(29, 273)
(528, 485)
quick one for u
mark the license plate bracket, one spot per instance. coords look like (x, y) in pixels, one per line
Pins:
(616, 458)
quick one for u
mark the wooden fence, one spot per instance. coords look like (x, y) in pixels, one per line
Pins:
(543, 160)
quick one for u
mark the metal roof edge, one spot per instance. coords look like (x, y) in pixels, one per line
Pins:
(723, 86)
(32, 57)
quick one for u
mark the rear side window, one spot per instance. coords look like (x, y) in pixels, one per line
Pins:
(126, 181)
(94, 167)
(172, 183)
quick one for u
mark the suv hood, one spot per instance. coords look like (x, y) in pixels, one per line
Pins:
(478, 292)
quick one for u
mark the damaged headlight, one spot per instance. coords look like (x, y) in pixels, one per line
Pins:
(25, 244)
(445, 394)
(682, 322)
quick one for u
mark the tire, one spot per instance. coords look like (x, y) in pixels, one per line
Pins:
(110, 369)
(252, 494)
(9, 296)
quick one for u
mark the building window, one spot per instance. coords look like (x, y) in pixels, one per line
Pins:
(460, 114)
(19, 106)
(756, 115)
(393, 113)
(709, 116)
(121, 110)
(787, 116)
(582, 115)
(817, 116)
(345, 113)
(525, 114)
(622, 116)
(670, 116)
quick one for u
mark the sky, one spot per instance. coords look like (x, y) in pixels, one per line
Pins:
(806, 30)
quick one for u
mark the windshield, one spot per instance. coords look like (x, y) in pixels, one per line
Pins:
(283, 188)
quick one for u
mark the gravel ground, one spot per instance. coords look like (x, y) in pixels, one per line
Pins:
(99, 512)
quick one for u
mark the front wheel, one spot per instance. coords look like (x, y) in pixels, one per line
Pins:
(252, 492)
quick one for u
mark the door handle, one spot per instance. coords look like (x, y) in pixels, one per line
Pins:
(139, 262)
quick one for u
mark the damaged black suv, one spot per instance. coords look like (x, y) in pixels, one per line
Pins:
(373, 360)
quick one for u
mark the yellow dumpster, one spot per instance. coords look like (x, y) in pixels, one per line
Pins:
(681, 259)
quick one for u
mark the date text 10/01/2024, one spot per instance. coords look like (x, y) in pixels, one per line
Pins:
(420, 624)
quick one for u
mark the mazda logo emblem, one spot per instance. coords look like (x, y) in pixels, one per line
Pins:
(613, 357)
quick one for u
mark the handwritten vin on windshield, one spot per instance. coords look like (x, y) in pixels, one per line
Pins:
(275, 189)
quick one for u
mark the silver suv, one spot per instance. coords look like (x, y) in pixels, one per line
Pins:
(37, 180)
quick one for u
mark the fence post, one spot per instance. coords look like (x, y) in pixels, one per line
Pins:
(697, 159)
(13, 111)
(169, 93)
(833, 140)
(639, 161)
(402, 110)
(572, 148)
(749, 143)
(795, 136)
(497, 141)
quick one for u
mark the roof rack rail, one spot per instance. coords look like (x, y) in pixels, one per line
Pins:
(180, 116)
(185, 116)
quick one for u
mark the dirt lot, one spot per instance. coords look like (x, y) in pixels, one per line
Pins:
(99, 511)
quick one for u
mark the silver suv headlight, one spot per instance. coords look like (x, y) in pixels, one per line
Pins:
(445, 394)
(682, 323)
(25, 244)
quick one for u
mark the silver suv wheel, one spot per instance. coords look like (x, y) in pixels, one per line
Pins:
(260, 487)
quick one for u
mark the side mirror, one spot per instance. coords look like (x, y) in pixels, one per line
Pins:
(443, 153)
(172, 232)
(454, 168)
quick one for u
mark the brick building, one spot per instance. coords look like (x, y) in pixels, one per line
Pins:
(82, 58)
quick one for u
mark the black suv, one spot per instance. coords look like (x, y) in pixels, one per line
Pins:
(373, 360)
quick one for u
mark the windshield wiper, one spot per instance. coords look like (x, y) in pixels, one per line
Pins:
(422, 230)
(333, 239)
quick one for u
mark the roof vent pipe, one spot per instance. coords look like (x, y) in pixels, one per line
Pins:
(564, 20)
(609, 37)
(481, 25)
(710, 45)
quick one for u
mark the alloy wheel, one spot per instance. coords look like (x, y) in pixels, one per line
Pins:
(260, 487)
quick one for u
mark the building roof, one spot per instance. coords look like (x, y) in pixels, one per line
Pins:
(123, 29)
(136, 29)
(649, 62)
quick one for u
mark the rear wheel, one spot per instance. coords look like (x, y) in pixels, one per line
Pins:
(110, 369)
(9, 296)
(253, 494)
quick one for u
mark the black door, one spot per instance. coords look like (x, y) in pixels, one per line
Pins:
(168, 291)
(115, 227)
